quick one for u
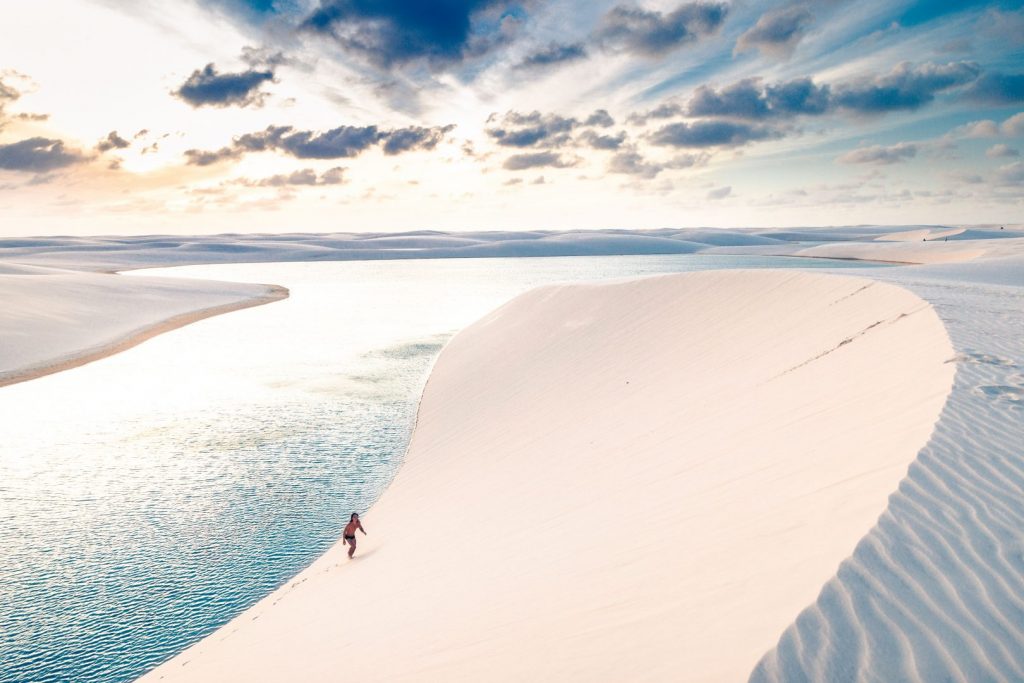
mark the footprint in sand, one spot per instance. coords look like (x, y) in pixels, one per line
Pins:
(1002, 392)
(983, 358)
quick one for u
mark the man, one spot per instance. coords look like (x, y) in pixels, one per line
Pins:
(350, 533)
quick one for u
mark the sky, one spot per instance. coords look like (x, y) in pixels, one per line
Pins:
(235, 116)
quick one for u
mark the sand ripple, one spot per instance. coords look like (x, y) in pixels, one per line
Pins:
(935, 592)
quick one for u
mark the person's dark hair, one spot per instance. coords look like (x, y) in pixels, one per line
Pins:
(353, 516)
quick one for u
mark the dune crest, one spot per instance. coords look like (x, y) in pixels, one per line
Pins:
(642, 480)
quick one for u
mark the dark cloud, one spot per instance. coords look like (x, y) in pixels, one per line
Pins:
(7, 95)
(631, 162)
(720, 192)
(600, 118)
(905, 87)
(206, 87)
(415, 137)
(597, 141)
(777, 32)
(198, 157)
(542, 130)
(520, 162)
(338, 143)
(529, 130)
(710, 134)
(878, 154)
(553, 55)
(652, 33)
(112, 141)
(38, 155)
(798, 96)
(394, 32)
(666, 110)
(998, 89)
(747, 99)
(333, 176)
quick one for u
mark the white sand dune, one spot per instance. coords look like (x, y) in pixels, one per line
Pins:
(935, 592)
(123, 253)
(668, 529)
(53, 320)
(642, 480)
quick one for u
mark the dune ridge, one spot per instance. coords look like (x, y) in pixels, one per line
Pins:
(935, 591)
(641, 480)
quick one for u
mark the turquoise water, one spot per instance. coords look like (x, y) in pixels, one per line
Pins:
(149, 497)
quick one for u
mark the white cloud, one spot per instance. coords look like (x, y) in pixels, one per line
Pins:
(1000, 151)
(879, 154)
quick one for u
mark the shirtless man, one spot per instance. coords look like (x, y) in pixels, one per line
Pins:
(350, 533)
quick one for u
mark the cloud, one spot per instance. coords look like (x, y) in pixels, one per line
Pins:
(747, 99)
(1013, 126)
(631, 162)
(553, 55)
(975, 129)
(206, 87)
(1001, 151)
(997, 89)
(907, 86)
(199, 157)
(528, 130)
(600, 118)
(414, 137)
(652, 34)
(395, 32)
(7, 95)
(520, 162)
(710, 134)
(338, 143)
(38, 155)
(603, 141)
(1011, 174)
(962, 177)
(777, 32)
(666, 110)
(112, 141)
(534, 129)
(879, 154)
(305, 176)
(720, 192)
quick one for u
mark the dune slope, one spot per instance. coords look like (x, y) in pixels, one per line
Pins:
(53, 320)
(642, 480)
(935, 592)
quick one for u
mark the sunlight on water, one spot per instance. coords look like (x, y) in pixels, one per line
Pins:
(149, 497)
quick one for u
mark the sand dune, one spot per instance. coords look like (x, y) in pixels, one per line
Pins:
(643, 480)
(935, 592)
(54, 320)
(861, 242)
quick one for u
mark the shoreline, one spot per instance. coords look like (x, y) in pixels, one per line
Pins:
(273, 293)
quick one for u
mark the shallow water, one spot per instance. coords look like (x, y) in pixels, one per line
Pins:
(149, 497)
